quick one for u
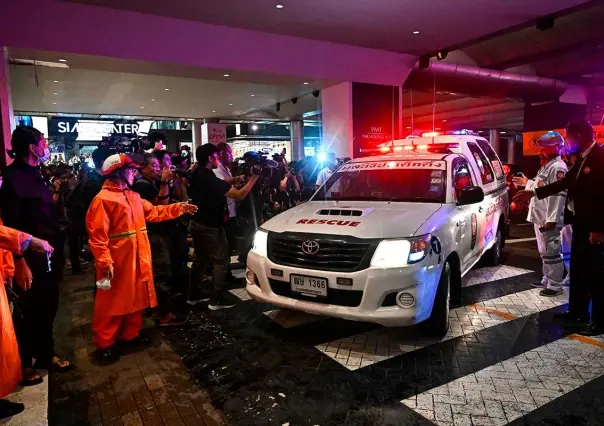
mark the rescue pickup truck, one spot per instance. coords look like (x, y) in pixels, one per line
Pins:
(388, 238)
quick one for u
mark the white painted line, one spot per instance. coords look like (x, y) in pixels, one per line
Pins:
(241, 293)
(239, 273)
(491, 273)
(35, 399)
(508, 390)
(520, 240)
(368, 348)
(287, 319)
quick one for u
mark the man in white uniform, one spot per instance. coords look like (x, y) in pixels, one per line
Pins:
(331, 165)
(548, 214)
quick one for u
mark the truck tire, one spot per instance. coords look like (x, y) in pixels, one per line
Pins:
(438, 323)
(493, 256)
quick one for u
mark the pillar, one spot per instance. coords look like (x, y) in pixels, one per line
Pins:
(196, 132)
(358, 117)
(511, 151)
(7, 119)
(297, 139)
(494, 139)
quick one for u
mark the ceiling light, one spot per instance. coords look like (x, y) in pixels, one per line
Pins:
(55, 93)
(56, 81)
(442, 54)
(152, 100)
(213, 111)
(62, 60)
(502, 133)
(54, 103)
(252, 95)
(416, 32)
(306, 82)
(167, 90)
(444, 121)
(279, 6)
(142, 107)
(230, 104)
(226, 75)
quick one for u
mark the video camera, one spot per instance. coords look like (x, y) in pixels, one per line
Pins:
(256, 163)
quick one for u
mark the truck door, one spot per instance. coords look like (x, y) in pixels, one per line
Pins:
(467, 223)
(487, 220)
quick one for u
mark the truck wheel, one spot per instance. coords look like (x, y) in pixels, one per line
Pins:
(438, 323)
(493, 256)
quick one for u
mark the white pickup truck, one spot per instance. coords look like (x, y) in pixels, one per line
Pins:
(388, 238)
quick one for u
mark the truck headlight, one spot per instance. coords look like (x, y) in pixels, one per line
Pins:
(400, 252)
(261, 243)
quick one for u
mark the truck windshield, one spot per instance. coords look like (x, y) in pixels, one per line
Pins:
(389, 183)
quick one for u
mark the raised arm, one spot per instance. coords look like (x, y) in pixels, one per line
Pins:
(161, 213)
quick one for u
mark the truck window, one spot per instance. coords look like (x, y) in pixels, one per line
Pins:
(484, 167)
(462, 176)
(490, 153)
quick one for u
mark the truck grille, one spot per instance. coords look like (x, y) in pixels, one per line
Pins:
(350, 298)
(333, 252)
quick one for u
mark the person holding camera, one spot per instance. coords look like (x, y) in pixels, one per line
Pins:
(223, 172)
(209, 194)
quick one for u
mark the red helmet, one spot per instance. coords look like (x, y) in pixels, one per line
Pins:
(117, 161)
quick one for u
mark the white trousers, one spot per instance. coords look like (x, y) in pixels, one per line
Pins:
(550, 249)
(567, 238)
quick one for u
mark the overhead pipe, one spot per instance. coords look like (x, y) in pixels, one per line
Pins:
(482, 82)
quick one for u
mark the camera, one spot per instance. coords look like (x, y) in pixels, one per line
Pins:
(256, 163)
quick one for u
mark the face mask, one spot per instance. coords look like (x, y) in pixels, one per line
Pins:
(44, 157)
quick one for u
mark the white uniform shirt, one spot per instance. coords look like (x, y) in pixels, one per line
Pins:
(223, 173)
(550, 209)
(323, 176)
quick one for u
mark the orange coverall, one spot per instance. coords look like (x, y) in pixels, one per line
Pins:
(11, 240)
(118, 236)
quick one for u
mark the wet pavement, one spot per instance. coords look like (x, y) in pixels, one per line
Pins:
(504, 360)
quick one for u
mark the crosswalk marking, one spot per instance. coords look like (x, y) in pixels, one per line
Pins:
(491, 273)
(368, 348)
(241, 293)
(508, 390)
(287, 318)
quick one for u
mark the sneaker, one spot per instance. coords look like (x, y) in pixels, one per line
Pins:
(220, 304)
(549, 292)
(172, 320)
(538, 284)
(107, 356)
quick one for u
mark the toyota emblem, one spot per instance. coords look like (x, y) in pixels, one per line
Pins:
(310, 247)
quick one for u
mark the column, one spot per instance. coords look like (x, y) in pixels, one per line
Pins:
(336, 113)
(511, 150)
(196, 132)
(7, 119)
(296, 129)
(494, 139)
(358, 117)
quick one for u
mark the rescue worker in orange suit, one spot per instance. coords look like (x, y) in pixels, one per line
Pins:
(13, 241)
(120, 245)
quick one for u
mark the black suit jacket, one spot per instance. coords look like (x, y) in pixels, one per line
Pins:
(585, 186)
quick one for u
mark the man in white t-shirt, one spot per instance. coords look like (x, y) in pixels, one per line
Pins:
(223, 172)
(331, 165)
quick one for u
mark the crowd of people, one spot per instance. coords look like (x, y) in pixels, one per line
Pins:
(133, 217)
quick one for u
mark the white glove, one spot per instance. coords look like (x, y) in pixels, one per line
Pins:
(104, 284)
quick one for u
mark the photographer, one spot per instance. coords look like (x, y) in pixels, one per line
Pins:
(210, 194)
(223, 172)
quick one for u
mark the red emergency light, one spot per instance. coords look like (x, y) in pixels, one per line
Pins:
(443, 148)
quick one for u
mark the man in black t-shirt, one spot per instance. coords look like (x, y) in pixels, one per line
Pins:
(209, 193)
(163, 259)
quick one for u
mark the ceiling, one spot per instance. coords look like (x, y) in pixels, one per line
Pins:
(100, 85)
(383, 24)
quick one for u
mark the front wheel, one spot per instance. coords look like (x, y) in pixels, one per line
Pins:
(438, 323)
(493, 256)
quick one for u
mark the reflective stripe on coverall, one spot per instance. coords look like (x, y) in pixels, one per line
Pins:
(549, 210)
(118, 236)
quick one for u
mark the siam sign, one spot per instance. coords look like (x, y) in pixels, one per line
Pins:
(101, 128)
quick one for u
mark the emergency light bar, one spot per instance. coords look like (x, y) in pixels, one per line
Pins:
(454, 132)
(440, 148)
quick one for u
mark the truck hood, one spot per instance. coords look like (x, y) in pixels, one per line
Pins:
(359, 219)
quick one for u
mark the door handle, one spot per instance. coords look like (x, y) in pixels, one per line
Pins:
(480, 209)
(460, 223)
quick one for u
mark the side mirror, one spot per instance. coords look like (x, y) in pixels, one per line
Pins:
(470, 195)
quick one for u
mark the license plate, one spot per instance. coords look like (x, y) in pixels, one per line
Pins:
(309, 286)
